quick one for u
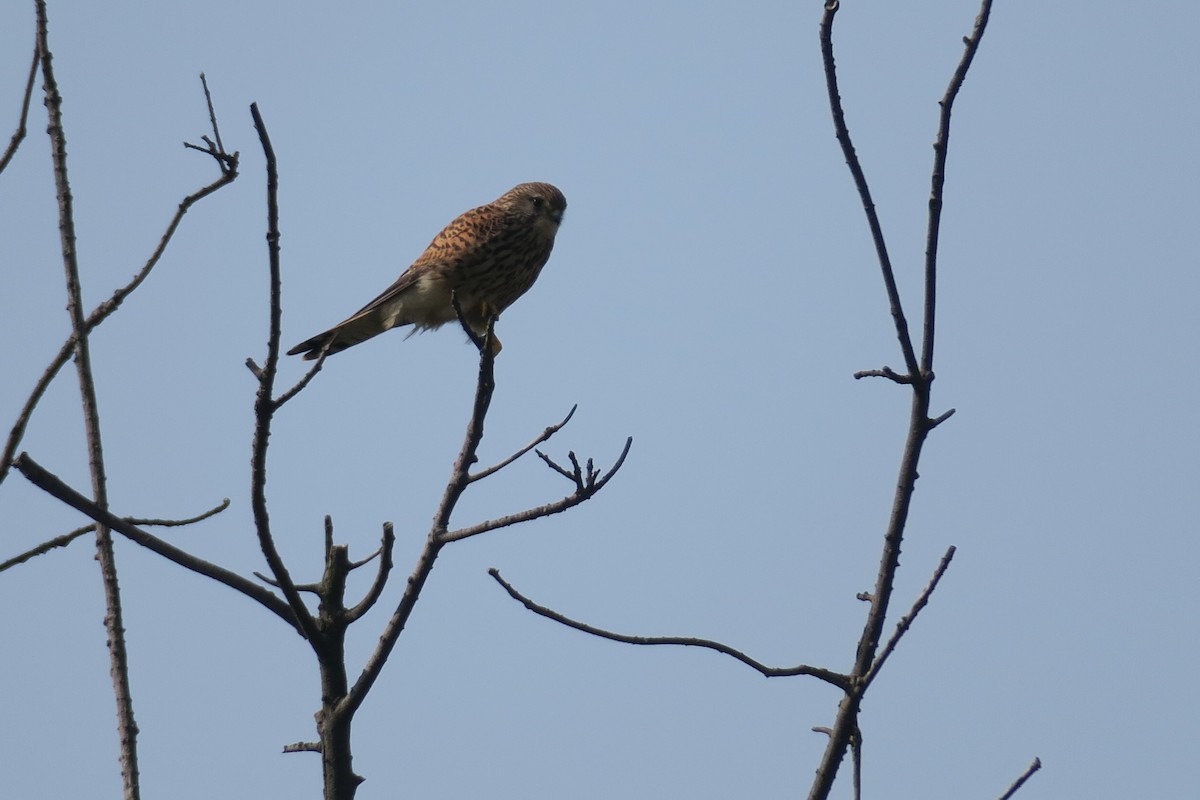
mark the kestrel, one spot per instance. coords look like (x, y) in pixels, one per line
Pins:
(488, 256)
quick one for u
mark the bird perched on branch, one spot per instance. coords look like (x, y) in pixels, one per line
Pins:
(488, 257)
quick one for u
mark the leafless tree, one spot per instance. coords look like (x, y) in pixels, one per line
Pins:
(344, 688)
(917, 374)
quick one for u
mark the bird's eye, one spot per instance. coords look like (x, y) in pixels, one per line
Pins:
(538, 202)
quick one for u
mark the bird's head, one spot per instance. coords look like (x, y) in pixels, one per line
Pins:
(541, 203)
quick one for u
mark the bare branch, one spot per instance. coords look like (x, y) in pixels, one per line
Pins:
(543, 436)
(582, 494)
(864, 191)
(47, 546)
(886, 372)
(552, 464)
(1019, 782)
(212, 114)
(19, 135)
(42, 478)
(828, 676)
(939, 419)
(303, 382)
(381, 576)
(265, 406)
(176, 523)
(455, 486)
(67, 538)
(941, 148)
(919, 376)
(228, 165)
(908, 619)
(312, 588)
(302, 747)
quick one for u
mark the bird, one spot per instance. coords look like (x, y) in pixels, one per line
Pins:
(486, 258)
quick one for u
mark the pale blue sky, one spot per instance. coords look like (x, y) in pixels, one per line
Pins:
(711, 293)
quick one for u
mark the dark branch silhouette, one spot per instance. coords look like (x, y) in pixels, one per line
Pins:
(113, 618)
(19, 135)
(907, 620)
(1019, 782)
(228, 165)
(919, 377)
(67, 538)
(828, 676)
(54, 486)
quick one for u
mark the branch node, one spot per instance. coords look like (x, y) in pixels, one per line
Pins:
(930, 424)
(886, 372)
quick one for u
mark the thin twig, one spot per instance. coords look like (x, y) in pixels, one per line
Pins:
(176, 523)
(212, 114)
(49, 482)
(570, 501)
(554, 465)
(941, 149)
(67, 538)
(543, 436)
(1019, 782)
(47, 546)
(228, 165)
(886, 372)
(864, 191)
(828, 676)
(907, 620)
(381, 575)
(303, 382)
(19, 135)
(939, 419)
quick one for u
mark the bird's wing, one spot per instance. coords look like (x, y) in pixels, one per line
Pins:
(458, 241)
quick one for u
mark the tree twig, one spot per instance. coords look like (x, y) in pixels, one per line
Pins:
(580, 495)
(828, 676)
(864, 191)
(941, 149)
(543, 436)
(907, 620)
(381, 576)
(48, 482)
(19, 135)
(1019, 782)
(228, 165)
(47, 546)
(67, 538)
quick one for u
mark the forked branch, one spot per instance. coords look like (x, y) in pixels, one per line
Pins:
(66, 538)
(227, 163)
(919, 377)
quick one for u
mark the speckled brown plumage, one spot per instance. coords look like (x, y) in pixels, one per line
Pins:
(490, 256)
